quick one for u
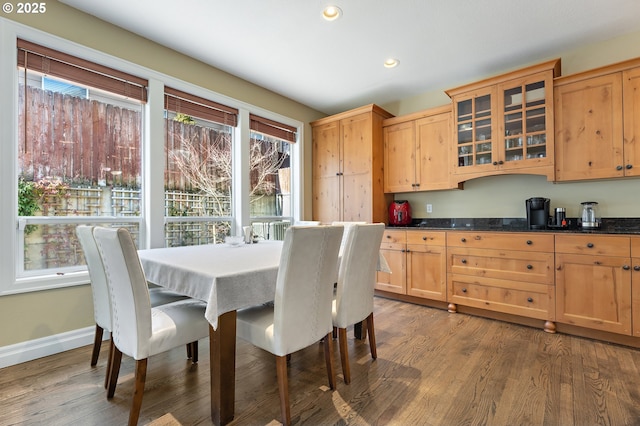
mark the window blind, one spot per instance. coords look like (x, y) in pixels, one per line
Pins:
(181, 102)
(272, 128)
(35, 57)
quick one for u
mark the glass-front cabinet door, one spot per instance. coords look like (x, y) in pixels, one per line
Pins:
(474, 129)
(525, 122)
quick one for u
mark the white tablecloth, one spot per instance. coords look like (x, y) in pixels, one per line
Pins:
(227, 278)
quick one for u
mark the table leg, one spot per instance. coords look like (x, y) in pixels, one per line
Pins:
(222, 355)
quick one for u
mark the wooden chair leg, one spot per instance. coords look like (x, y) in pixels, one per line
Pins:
(107, 376)
(189, 350)
(283, 387)
(97, 343)
(372, 336)
(194, 352)
(114, 370)
(328, 357)
(140, 378)
(335, 332)
(344, 354)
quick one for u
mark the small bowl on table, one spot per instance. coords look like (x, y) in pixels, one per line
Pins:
(234, 240)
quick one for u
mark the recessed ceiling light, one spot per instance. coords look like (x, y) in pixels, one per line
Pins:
(391, 63)
(331, 13)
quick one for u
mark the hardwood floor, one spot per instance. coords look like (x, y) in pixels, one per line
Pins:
(433, 368)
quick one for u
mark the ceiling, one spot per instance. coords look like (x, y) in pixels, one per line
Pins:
(287, 47)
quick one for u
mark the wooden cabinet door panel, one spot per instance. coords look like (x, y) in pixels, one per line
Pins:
(594, 292)
(326, 150)
(631, 90)
(588, 120)
(399, 157)
(356, 133)
(327, 202)
(427, 272)
(394, 282)
(433, 146)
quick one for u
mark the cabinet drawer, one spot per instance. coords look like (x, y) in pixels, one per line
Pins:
(434, 238)
(635, 246)
(601, 245)
(501, 240)
(529, 300)
(531, 267)
(393, 239)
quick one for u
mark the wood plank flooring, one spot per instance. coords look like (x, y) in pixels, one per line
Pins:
(433, 368)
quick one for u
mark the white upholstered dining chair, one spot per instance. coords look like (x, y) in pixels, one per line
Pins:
(347, 228)
(139, 330)
(353, 301)
(300, 315)
(100, 293)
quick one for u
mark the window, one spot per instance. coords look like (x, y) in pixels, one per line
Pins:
(270, 177)
(198, 172)
(79, 155)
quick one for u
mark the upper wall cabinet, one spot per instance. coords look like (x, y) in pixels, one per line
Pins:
(416, 151)
(505, 124)
(597, 123)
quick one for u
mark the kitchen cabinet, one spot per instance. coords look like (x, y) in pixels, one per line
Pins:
(348, 167)
(505, 124)
(510, 273)
(393, 247)
(416, 151)
(597, 125)
(635, 285)
(593, 282)
(417, 259)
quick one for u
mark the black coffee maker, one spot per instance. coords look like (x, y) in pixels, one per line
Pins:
(537, 212)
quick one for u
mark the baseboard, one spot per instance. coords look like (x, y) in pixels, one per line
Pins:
(45, 346)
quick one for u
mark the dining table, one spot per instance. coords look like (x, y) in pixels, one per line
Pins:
(227, 278)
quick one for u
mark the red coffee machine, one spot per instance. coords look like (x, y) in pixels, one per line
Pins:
(400, 213)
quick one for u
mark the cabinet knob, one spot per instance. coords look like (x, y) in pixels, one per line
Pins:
(464, 290)
(629, 166)
(418, 185)
(403, 251)
(626, 267)
(495, 163)
(529, 266)
(590, 245)
(618, 167)
(636, 268)
(464, 240)
(464, 261)
(529, 299)
(529, 242)
(424, 238)
(500, 162)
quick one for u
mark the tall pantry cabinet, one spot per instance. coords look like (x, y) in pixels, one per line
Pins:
(348, 166)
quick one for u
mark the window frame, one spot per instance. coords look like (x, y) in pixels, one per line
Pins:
(152, 216)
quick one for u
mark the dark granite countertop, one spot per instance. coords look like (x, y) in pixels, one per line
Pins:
(608, 225)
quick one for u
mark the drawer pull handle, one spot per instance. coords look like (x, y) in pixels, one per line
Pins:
(388, 236)
(464, 290)
(636, 268)
(618, 167)
(590, 245)
(529, 299)
(424, 238)
(629, 166)
(464, 261)
(626, 267)
(529, 266)
(529, 242)
(464, 240)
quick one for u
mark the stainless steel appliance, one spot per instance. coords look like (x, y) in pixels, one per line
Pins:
(589, 218)
(537, 212)
(560, 216)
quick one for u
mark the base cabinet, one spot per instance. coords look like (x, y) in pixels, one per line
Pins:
(635, 285)
(593, 282)
(509, 273)
(417, 260)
